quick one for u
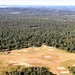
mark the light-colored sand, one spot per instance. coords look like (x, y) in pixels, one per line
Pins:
(36, 49)
(50, 48)
(47, 57)
(17, 54)
(25, 51)
(23, 63)
(73, 65)
(19, 63)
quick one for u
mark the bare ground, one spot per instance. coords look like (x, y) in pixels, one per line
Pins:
(41, 56)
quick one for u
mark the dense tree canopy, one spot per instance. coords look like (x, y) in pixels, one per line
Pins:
(25, 27)
(27, 71)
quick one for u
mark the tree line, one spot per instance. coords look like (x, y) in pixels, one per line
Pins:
(19, 70)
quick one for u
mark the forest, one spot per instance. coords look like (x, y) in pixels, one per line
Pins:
(33, 26)
(20, 70)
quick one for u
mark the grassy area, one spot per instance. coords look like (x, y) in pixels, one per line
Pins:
(1, 63)
(68, 63)
(2, 53)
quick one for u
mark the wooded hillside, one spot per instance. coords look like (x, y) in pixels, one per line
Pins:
(25, 27)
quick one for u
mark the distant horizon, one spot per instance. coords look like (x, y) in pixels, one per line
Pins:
(38, 2)
(41, 5)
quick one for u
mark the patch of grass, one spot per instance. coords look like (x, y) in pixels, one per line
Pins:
(2, 53)
(1, 63)
(68, 63)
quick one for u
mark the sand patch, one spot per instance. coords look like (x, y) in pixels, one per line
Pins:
(36, 49)
(17, 54)
(73, 65)
(23, 63)
(61, 68)
(25, 50)
(50, 48)
(19, 63)
(47, 57)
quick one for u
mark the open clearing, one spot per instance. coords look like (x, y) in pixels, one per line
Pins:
(39, 56)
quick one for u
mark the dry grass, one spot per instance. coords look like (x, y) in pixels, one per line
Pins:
(1, 63)
(2, 53)
(68, 63)
(35, 56)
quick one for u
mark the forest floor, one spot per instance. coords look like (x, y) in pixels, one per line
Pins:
(39, 56)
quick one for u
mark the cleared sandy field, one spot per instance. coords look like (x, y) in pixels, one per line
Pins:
(39, 56)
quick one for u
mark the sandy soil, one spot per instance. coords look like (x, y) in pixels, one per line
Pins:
(41, 56)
